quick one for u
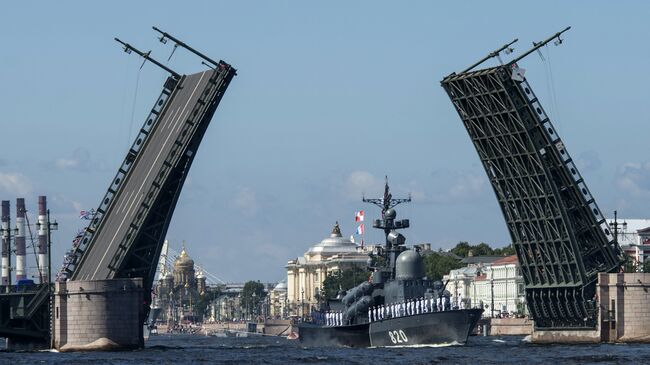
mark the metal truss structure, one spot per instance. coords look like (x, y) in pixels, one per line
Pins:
(560, 235)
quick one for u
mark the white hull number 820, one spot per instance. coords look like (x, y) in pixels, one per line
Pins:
(398, 336)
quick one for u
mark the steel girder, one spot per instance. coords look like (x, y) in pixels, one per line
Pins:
(560, 235)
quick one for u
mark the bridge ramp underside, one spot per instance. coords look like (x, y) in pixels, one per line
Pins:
(561, 238)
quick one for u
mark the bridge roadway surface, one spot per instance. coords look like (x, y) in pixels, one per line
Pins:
(139, 179)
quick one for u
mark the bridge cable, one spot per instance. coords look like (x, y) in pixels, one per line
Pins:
(124, 95)
(554, 94)
(135, 98)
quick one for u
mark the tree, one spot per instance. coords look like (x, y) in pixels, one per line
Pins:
(646, 266)
(505, 251)
(437, 265)
(343, 280)
(202, 306)
(463, 249)
(252, 295)
(629, 265)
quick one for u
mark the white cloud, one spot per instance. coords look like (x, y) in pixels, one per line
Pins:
(464, 187)
(634, 178)
(79, 161)
(63, 163)
(246, 201)
(588, 161)
(359, 183)
(15, 183)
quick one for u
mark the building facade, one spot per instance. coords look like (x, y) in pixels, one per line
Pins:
(496, 285)
(305, 274)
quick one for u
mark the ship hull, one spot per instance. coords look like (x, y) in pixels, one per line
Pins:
(340, 336)
(447, 327)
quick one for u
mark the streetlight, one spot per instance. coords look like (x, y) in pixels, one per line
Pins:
(302, 303)
(253, 305)
(492, 295)
(285, 308)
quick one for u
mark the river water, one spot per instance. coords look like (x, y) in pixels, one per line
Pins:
(180, 349)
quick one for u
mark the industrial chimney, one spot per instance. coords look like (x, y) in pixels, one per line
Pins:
(42, 237)
(20, 239)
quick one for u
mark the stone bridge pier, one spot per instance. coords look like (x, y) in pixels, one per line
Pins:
(98, 315)
(623, 315)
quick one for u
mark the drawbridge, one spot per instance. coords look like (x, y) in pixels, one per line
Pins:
(558, 231)
(125, 236)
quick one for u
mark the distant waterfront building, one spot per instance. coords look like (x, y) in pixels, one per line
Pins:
(278, 302)
(634, 238)
(227, 306)
(490, 280)
(305, 274)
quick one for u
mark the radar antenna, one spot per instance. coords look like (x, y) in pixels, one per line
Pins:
(387, 202)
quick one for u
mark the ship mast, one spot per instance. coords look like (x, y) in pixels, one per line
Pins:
(387, 202)
(394, 244)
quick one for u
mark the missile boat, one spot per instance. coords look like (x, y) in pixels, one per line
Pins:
(397, 306)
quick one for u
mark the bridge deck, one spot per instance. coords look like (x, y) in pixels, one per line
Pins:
(131, 194)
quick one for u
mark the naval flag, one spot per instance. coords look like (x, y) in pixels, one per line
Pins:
(358, 216)
(86, 214)
(360, 229)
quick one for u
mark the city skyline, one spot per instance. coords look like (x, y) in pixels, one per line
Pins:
(326, 103)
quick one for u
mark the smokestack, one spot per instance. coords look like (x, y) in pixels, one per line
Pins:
(6, 245)
(42, 237)
(20, 239)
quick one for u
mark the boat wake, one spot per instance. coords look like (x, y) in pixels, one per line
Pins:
(454, 343)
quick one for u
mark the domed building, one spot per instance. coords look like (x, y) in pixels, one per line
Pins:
(180, 290)
(305, 274)
(184, 270)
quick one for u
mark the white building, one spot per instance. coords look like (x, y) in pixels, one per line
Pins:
(499, 282)
(305, 274)
(634, 238)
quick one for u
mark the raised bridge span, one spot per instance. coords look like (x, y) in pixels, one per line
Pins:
(560, 235)
(126, 233)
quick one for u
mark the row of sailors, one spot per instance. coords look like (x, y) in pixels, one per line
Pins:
(334, 318)
(409, 308)
(394, 310)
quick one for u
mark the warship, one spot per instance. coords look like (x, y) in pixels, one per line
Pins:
(397, 306)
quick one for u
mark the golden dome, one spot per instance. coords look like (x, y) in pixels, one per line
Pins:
(183, 259)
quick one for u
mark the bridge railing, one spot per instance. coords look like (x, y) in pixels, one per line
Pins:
(81, 245)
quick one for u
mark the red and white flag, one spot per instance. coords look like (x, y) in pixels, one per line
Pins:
(358, 216)
(360, 229)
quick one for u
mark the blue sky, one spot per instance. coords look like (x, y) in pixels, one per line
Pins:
(330, 97)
